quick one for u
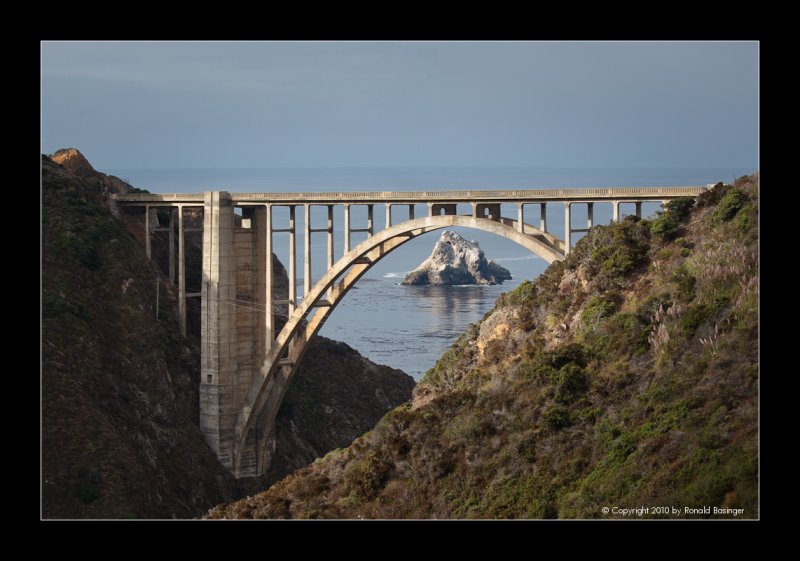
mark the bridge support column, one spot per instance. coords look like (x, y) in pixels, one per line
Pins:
(543, 217)
(346, 229)
(567, 228)
(411, 212)
(388, 215)
(181, 269)
(218, 331)
(292, 261)
(171, 246)
(147, 230)
(474, 210)
(638, 209)
(330, 237)
(370, 220)
(521, 218)
(269, 319)
(615, 206)
(307, 251)
(589, 215)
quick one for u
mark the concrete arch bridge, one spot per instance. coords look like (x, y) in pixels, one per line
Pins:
(246, 363)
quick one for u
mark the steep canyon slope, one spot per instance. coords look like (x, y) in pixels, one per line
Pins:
(625, 375)
(119, 388)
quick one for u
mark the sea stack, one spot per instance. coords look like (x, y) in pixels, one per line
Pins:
(455, 260)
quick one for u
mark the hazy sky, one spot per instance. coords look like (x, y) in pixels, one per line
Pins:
(309, 104)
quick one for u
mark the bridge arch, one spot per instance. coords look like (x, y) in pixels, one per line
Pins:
(255, 420)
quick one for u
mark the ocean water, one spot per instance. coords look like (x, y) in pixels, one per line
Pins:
(409, 327)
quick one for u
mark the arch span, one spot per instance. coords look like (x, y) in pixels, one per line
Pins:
(255, 420)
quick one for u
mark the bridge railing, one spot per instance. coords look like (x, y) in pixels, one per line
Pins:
(426, 196)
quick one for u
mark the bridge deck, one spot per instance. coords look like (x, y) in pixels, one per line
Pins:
(414, 197)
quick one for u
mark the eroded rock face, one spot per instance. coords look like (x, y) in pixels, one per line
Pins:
(73, 161)
(456, 260)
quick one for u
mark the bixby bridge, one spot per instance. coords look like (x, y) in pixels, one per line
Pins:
(246, 362)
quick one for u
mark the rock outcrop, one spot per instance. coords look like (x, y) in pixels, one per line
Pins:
(73, 161)
(457, 261)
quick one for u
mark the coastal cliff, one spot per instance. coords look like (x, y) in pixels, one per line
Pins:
(456, 261)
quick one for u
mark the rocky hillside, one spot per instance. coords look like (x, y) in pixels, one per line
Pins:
(455, 261)
(119, 389)
(76, 163)
(626, 375)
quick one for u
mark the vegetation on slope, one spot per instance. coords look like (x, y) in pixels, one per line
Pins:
(626, 376)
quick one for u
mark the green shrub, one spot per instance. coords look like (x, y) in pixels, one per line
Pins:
(621, 334)
(685, 282)
(615, 250)
(667, 225)
(570, 382)
(622, 447)
(537, 370)
(694, 317)
(712, 196)
(743, 222)
(366, 478)
(567, 354)
(523, 294)
(733, 201)
(718, 303)
(680, 209)
(597, 308)
(664, 254)
(557, 417)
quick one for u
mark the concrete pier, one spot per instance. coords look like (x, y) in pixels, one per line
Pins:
(181, 270)
(172, 246)
(269, 319)
(218, 333)
(346, 229)
(292, 262)
(307, 251)
(543, 217)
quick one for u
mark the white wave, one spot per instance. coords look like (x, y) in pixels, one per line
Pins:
(517, 258)
(396, 275)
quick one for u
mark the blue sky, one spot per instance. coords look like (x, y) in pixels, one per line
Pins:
(395, 104)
